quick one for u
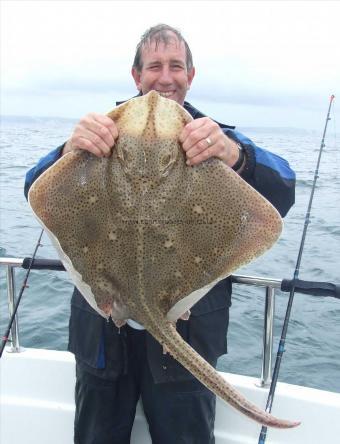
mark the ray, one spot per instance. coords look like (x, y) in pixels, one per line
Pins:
(144, 236)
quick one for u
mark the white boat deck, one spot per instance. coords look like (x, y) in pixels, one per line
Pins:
(37, 406)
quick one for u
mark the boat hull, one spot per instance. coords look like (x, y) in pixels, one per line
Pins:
(37, 406)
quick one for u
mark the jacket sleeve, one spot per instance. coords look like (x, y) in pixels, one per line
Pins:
(268, 173)
(44, 163)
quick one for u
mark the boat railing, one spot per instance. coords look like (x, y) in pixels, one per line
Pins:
(269, 285)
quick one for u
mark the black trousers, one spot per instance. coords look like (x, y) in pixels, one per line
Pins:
(177, 412)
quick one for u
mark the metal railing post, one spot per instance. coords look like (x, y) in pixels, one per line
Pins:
(266, 371)
(11, 302)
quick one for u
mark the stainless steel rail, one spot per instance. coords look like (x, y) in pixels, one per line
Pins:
(10, 264)
(268, 283)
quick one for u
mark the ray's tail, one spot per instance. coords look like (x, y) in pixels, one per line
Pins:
(167, 335)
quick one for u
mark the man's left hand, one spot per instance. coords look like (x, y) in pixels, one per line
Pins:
(203, 138)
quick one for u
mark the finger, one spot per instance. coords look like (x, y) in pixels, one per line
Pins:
(209, 136)
(199, 147)
(195, 137)
(108, 123)
(98, 142)
(205, 129)
(101, 125)
(201, 157)
(93, 141)
(191, 126)
(87, 145)
(100, 130)
(216, 149)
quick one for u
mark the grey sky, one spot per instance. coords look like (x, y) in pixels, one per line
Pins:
(258, 63)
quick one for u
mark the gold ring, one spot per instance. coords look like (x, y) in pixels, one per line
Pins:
(208, 140)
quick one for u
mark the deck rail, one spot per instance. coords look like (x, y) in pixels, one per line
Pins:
(269, 285)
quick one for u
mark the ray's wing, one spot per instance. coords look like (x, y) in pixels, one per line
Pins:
(214, 223)
(83, 219)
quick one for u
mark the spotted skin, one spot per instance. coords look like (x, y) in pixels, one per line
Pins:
(141, 232)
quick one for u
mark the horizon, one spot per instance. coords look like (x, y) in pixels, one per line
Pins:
(257, 62)
(248, 127)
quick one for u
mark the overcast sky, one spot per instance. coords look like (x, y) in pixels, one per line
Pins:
(258, 63)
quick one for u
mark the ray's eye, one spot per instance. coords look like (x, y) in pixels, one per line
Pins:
(124, 154)
(165, 160)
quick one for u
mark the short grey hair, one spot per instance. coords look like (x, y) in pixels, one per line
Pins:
(160, 34)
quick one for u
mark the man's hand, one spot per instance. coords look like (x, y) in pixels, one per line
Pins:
(203, 138)
(95, 133)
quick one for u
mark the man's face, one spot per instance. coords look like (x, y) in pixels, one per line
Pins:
(164, 70)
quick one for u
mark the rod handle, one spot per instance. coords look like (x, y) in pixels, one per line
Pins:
(312, 288)
(43, 264)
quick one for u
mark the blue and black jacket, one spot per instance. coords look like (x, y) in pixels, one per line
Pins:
(101, 348)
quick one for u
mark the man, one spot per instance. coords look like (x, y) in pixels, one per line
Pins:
(114, 366)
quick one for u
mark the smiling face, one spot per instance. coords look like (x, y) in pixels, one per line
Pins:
(164, 70)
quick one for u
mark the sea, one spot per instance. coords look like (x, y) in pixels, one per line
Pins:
(312, 350)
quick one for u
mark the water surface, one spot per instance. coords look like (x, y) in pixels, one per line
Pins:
(312, 356)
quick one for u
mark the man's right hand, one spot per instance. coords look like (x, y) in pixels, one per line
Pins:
(95, 133)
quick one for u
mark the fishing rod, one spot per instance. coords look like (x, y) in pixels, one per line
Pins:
(5, 338)
(270, 399)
